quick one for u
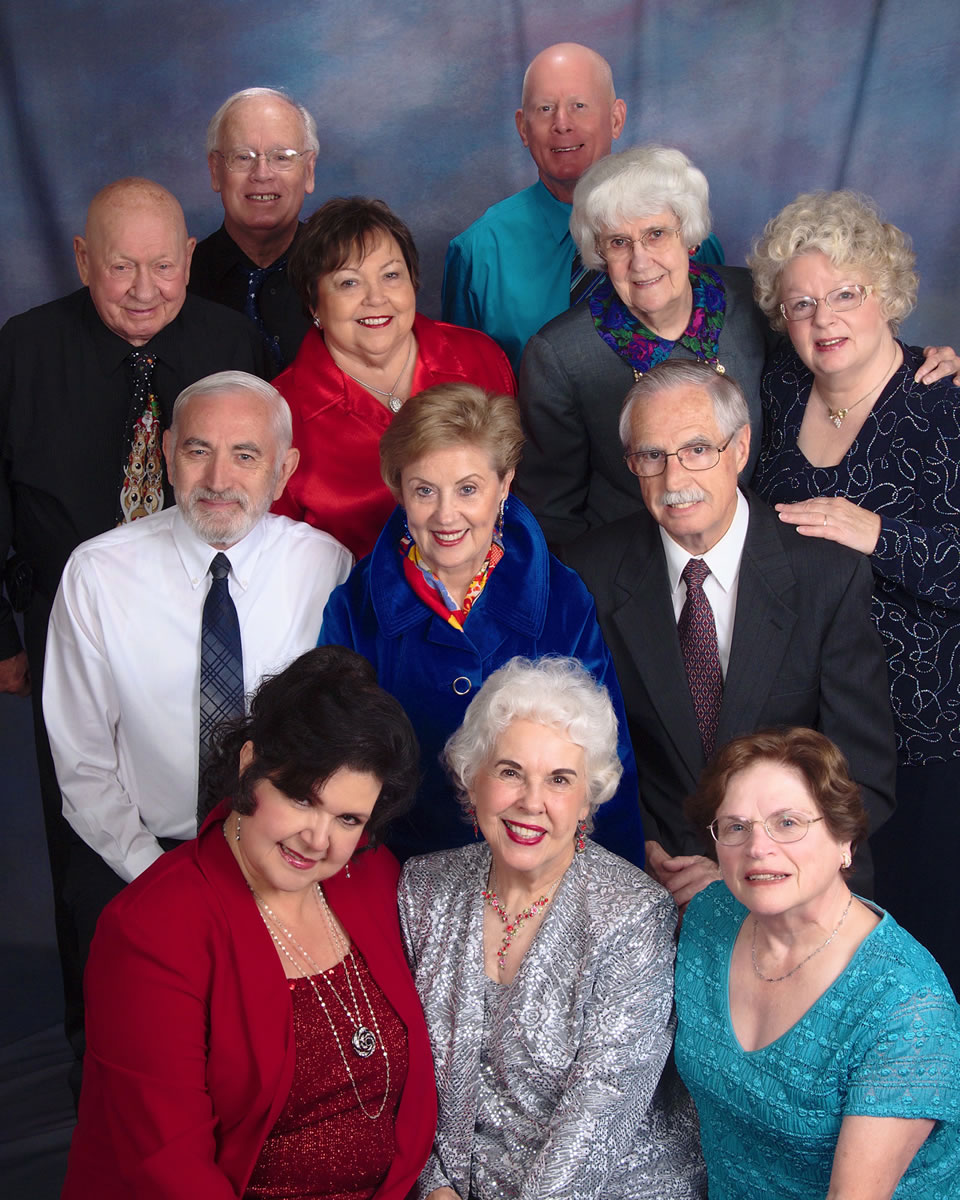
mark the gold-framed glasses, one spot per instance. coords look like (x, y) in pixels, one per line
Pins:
(618, 246)
(243, 159)
(780, 827)
(841, 299)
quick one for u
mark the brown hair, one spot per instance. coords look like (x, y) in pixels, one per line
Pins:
(813, 757)
(451, 414)
(339, 230)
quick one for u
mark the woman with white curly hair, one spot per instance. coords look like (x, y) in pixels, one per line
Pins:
(855, 450)
(545, 964)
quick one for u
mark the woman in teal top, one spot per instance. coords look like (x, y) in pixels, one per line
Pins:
(819, 1040)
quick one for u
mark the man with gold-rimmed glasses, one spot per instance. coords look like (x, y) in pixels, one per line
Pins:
(721, 619)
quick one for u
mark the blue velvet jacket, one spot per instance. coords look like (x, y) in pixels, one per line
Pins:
(531, 605)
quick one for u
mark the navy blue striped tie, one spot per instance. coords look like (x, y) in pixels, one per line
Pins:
(221, 659)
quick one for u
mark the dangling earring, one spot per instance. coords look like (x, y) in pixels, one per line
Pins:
(581, 835)
(406, 527)
(316, 321)
(476, 827)
(346, 869)
(237, 835)
(498, 528)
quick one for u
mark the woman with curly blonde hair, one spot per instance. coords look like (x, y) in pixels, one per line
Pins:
(855, 450)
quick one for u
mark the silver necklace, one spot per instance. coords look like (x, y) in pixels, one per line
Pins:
(363, 1041)
(838, 415)
(394, 402)
(813, 953)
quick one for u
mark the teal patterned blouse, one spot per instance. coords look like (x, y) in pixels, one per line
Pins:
(882, 1041)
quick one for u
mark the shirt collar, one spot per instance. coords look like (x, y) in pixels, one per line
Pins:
(196, 555)
(556, 214)
(723, 559)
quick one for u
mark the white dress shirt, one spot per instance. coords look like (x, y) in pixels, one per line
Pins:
(121, 681)
(720, 586)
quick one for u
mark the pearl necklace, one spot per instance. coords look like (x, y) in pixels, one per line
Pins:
(813, 953)
(513, 927)
(394, 402)
(363, 1041)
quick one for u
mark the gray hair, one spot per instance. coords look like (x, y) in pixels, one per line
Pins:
(310, 140)
(240, 381)
(554, 691)
(638, 183)
(730, 408)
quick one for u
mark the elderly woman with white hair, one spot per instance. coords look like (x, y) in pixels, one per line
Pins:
(856, 451)
(639, 216)
(545, 964)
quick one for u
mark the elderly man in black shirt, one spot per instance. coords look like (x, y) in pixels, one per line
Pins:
(87, 385)
(261, 150)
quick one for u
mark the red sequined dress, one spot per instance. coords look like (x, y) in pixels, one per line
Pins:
(323, 1147)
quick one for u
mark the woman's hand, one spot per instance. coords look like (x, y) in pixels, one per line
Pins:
(836, 519)
(938, 361)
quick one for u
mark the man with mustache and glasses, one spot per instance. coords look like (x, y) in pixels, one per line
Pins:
(161, 627)
(722, 620)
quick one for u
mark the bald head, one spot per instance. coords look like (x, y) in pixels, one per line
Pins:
(135, 257)
(569, 114)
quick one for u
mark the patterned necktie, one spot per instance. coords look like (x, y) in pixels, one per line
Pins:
(582, 280)
(697, 631)
(141, 489)
(251, 306)
(221, 659)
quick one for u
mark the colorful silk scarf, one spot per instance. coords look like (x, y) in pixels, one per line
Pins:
(642, 348)
(432, 591)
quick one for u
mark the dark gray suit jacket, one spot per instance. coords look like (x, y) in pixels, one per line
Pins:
(572, 387)
(805, 652)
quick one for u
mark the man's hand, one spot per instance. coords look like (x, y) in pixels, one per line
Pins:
(15, 675)
(938, 361)
(682, 876)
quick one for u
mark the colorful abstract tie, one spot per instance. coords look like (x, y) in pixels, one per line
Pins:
(221, 660)
(141, 489)
(256, 276)
(582, 280)
(697, 631)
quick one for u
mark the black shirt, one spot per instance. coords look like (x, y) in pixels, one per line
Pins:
(219, 271)
(64, 401)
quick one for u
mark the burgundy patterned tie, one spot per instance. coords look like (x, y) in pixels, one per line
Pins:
(697, 631)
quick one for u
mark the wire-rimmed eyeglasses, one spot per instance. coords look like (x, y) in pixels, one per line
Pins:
(613, 246)
(243, 159)
(780, 827)
(841, 299)
(698, 457)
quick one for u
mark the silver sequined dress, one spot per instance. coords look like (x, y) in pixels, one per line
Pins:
(561, 1069)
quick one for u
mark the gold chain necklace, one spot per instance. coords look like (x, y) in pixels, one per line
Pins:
(838, 415)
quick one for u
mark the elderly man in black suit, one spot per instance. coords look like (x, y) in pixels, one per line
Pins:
(722, 620)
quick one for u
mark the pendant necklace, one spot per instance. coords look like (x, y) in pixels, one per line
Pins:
(813, 953)
(364, 1040)
(838, 415)
(394, 402)
(514, 926)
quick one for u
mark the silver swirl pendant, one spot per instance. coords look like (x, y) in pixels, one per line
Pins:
(363, 1042)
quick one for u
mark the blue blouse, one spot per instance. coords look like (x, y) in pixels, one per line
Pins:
(905, 466)
(882, 1041)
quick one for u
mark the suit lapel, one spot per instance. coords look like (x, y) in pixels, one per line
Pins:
(763, 625)
(647, 625)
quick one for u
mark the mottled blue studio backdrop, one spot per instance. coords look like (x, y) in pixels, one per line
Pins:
(414, 101)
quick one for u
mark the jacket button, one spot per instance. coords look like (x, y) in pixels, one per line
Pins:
(462, 685)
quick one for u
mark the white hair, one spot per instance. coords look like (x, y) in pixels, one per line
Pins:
(553, 691)
(638, 183)
(240, 381)
(730, 408)
(310, 141)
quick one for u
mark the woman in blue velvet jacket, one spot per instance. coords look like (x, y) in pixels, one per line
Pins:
(460, 581)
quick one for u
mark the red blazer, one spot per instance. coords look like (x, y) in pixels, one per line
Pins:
(337, 426)
(190, 1049)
